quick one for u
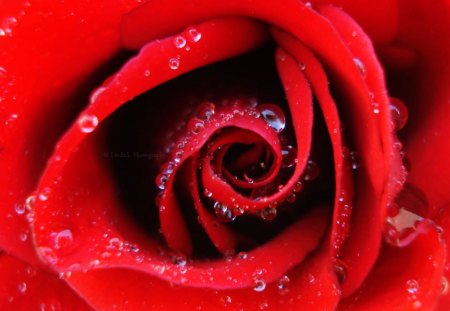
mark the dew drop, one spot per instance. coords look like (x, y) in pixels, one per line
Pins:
(63, 239)
(298, 186)
(291, 198)
(263, 305)
(50, 306)
(22, 287)
(355, 160)
(179, 260)
(194, 35)
(161, 181)
(167, 168)
(360, 65)
(223, 213)
(274, 116)
(445, 286)
(311, 171)
(96, 94)
(174, 63)
(375, 108)
(289, 154)
(179, 42)
(237, 211)
(268, 214)
(23, 236)
(340, 269)
(405, 216)
(399, 113)
(87, 123)
(147, 73)
(195, 125)
(242, 255)
(207, 193)
(259, 285)
(20, 209)
(48, 254)
(401, 229)
(44, 194)
(115, 244)
(412, 286)
(206, 110)
(283, 283)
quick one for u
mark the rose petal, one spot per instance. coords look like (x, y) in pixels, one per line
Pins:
(24, 287)
(313, 279)
(404, 278)
(37, 82)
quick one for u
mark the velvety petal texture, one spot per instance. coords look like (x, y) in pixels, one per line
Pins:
(226, 155)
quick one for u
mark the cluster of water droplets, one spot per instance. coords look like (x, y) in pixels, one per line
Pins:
(217, 115)
(183, 41)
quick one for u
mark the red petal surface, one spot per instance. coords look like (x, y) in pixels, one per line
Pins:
(37, 83)
(24, 287)
(404, 278)
(314, 279)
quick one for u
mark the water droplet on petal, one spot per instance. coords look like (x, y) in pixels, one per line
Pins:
(404, 219)
(147, 73)
(87, 123)
(412, 286)
(179, 260)
(291, 198)
(206, 111)
(340, 269)
(23, 236)
(445, 286)
(298, 186)
(274, 116)
(289, 154)
(259, 285)
(207, 193)
(22, 287)
(223, 213)
(174, 63)
(401, 229)
(283, 283)
(399, 113)
(242, 255)
(375, 107)
(360, 65)
(96, 94)
(19, 208)
(167, 168)
(63, 239)
(115, 244)
(180, 42)
(161, 181)
(195, 125)
(311, 171)
(48, 254)
(268, 214)
(194, 35)
(44, 194)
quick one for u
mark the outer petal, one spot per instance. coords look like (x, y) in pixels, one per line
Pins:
(40, 71)
(23, 287)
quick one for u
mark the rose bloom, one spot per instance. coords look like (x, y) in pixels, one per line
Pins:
(224, 155)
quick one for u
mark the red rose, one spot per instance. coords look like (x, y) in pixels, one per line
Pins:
(235, 155)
